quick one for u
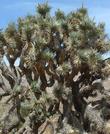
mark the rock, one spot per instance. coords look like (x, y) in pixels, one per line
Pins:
(107, 127)
(74, 131)
(49, 130)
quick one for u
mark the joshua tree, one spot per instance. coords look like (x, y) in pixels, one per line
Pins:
(60, 58)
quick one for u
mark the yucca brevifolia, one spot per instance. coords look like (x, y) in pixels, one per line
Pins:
(61, 54)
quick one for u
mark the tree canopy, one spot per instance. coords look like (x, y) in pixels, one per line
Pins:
(60, 63)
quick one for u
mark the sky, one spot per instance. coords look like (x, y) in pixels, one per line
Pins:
(10, 10)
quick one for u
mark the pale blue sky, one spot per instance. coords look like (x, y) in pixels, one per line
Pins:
(10, 10)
